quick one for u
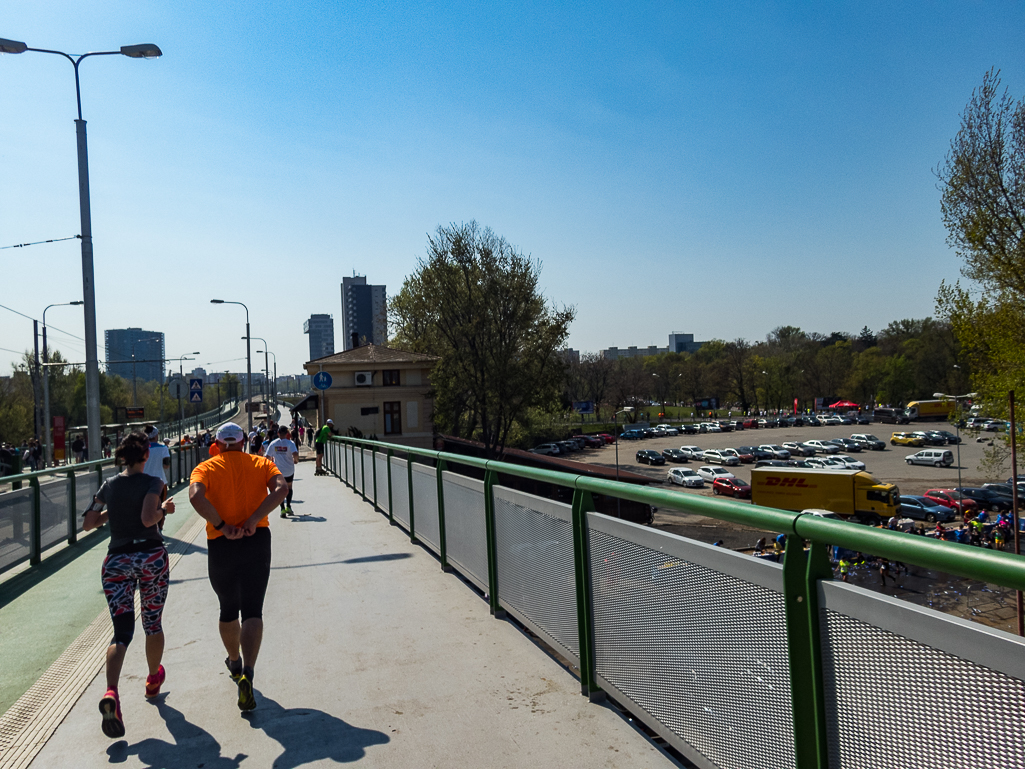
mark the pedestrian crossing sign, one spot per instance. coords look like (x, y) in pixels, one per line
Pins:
(196, 397)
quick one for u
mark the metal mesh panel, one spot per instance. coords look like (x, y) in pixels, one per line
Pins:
(368, 472)
(399, 491)
(535, 566)
(357, 468)
(86, 486)
(425, 505)
(894, 702)
(15, 520)
(700, 651)
(382, 480)
(53, 510)
(466, 536)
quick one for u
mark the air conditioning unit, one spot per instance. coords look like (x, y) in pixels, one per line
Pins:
(364, 378)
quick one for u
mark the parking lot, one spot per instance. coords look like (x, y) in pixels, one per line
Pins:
(888, 465)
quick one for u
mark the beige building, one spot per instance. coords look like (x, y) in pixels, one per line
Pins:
(379, 391)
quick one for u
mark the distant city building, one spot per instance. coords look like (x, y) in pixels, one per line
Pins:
(148, 347)
(321, 329)
(364, 313)
(677, 343)
(569, 355)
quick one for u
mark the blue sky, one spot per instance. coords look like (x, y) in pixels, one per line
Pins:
(716, 169)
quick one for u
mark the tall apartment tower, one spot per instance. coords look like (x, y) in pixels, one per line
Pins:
(321, 329)
(364, 313)
(148, 347)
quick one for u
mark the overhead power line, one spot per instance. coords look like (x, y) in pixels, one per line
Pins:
(5, 307)
(40, 242)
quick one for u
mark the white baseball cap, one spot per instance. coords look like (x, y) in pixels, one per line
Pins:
(229, 433)
(330, 421)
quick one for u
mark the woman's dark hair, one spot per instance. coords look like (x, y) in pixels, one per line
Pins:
(133, 448)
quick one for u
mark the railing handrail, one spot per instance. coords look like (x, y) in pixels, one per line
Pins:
(76, 466)
(998, 567)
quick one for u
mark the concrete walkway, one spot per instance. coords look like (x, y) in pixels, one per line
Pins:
(371, 653)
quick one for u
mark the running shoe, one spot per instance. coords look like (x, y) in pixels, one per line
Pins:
(110, 709)
(153, 683)
(284, 514)
(234, 676)
(246, 698)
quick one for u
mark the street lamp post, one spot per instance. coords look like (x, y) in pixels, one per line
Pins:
(46, 384)
(274, 387)
(92, 368)
(249, 364)
(266, 364)
(957, 429)
(181, 383)
(615, 429)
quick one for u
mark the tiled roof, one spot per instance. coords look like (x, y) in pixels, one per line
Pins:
(373, 353)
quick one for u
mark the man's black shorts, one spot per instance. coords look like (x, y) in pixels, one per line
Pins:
(239, 570)
(320, 449)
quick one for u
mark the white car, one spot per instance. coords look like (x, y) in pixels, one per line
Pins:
(684, 476)
(830, 419)
(710, 427)
(711, 472)
(822, 447)
(826, 463)
(721, 457)
(666, 430)
(778, 452)
(546, 448)
(693, 452)
(852, 464)
(800, 449)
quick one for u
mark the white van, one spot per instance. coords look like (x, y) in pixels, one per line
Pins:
(935, 457)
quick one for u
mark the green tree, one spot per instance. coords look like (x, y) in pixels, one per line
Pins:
(475, 302)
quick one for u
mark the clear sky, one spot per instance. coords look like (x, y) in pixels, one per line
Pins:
(709, 168)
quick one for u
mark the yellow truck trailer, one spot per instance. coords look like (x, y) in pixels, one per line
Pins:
(922, 410)
(850, 493)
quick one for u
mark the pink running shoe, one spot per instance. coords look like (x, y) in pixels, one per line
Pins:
(153, 683)
(110, 709)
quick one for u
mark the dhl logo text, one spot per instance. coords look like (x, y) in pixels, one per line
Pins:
(798, 483)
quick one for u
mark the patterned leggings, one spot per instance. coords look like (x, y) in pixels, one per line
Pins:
(121, 573)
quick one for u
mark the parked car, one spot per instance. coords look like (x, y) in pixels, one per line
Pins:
(995, 426)
(798, 449)
(923, 509)
(666, 430)
(546, 448)
(823, 447)
(905, 439)
(756, 452)
(692, 452)
(746, 454)
(649, 457)
(812, 421)
(710, 427)
(750, 423)
(711, 472)
(606, 437)
(763, 423)
(725, 426)
(830, 419)
(976, 423)
(684, 476)
(777, 451)
(720, 457)
(951, 437)
(630, 435)
(988, 499)
(567, 447)
(851, 463)
(935, 457)
(803, 463)
(845, 444)
(689, 429)
(648, 432)
(826, 463)
(953, 499)
(593, 441)
(929, 439)
(773, 463)
(1004, 490)
(732, 487)
(674, 455)
(869, 441)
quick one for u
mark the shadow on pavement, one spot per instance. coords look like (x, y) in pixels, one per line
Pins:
(192, 746)
(309, 735)
(383, 557)
(26, 580)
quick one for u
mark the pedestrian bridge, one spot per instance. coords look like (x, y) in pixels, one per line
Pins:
(425, 610)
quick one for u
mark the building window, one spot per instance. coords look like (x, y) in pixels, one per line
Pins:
(392, 418)
(391, 378)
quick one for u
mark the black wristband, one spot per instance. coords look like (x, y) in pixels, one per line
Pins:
(220, 526)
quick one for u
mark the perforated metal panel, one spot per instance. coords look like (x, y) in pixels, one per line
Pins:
(534, 539)
(695, 637)
(357, 468)
(911, 688)
(382, 480)
(368, 471)
(466, 536)
(400, 491)
(53, 510)
(15, 520)
(86, 486)
(425, 506)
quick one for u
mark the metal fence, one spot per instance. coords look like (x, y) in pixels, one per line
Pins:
(41, 509)
(735, 661)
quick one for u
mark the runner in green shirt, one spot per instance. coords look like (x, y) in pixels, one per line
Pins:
(323, 434)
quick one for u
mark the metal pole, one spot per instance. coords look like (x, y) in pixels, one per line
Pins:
(46, 401)
(1014, 509)
(249, 377)
(615, 434)
(92, 367)
(36, 410)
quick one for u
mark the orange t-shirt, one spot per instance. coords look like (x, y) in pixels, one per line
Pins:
(236, 484)
(214, 449)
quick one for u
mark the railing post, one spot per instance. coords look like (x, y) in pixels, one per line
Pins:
(582, 504)
(373, 479)
(801, 573)
(35, 536)
(391, 503)
(490, 479)
(99, 477)
(345, 453)
(442, 466)
(72, 511)
(362, 475)
(409, 494)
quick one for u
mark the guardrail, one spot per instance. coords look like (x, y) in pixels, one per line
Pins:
(40, 509)
(735, 661)
(178, 427)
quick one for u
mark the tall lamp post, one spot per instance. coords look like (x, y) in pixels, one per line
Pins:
(615, 429)
(46, 383)
(249, 364)
(266, 363)
(957, 427)
(274, 386)
(92, 369)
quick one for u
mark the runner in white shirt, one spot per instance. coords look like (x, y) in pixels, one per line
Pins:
(159, 461)
(284, 454)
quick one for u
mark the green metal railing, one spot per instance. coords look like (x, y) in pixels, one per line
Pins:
(805, 565)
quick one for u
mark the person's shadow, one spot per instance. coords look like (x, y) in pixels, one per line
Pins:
(192, 746)
(309, 735)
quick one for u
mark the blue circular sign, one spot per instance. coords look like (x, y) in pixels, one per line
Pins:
(322, 380)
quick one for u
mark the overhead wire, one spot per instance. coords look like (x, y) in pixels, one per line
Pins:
(40, 242)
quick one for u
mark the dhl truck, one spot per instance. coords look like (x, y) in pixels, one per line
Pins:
(928, 410)
(850, 493)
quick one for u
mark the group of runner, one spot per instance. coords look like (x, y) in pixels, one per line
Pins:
(235, 492)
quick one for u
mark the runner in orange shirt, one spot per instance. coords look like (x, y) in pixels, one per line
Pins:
(231, 492)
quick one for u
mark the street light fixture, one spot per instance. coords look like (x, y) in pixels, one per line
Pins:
(46, 382)
(249, 364)
(274, 391)
(266, 365)
(92, 368)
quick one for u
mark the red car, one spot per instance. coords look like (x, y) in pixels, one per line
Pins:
(732, 487)
(952, 499)
(750, 424)
(606, 437)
